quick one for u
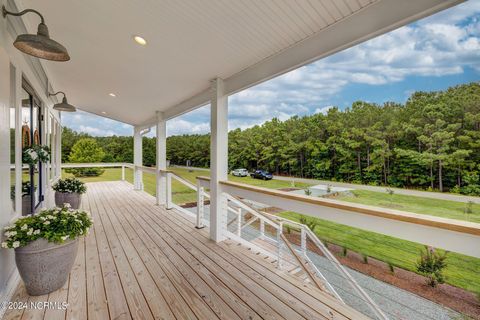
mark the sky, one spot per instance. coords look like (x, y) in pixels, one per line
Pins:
(431, 54)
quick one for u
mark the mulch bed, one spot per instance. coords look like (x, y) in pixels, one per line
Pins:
(455, 298)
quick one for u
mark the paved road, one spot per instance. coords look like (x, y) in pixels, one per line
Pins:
(415, 193)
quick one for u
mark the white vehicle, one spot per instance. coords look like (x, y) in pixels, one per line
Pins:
(240, 172)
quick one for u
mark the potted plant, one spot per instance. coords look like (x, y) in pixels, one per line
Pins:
(69, 191)
(35, 153)
(46, 246)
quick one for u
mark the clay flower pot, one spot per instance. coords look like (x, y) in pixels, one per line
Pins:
(72, 198)
(44, 266)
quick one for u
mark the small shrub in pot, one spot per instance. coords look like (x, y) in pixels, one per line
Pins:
(69, 191)
(46, 246)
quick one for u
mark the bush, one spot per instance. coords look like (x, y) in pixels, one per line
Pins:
(86, 150)
(391, 267)
(431, 264)
(55, 225)
(70, 185)
(310, 223)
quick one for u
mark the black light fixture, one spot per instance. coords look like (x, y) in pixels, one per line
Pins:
(64, 105)
(38, 45)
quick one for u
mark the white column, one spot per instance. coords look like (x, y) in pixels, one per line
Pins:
(218, 159)
(161, 180)
(137, 159)
(18, 142)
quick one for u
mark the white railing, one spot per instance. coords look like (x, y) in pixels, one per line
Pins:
(122, 165)
(280, 241)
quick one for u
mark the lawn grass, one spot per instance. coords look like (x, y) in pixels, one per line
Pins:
(461, 271)
(434, 207)
(181, 193)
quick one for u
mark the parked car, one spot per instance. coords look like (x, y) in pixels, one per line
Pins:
(240, 172)
(261, 174)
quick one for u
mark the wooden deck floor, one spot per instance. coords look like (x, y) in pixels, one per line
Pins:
(141, 261)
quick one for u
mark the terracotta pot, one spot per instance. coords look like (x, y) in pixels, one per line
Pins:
(44, 266)
(74, 199)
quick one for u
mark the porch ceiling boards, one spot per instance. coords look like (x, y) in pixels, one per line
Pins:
(191, 42)
(141, 261)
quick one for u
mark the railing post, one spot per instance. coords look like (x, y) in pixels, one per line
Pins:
(279, 242)
(123, 173)
(239, 222)
(303, 240)
(200, 205)
(169, 191)
(262, 229)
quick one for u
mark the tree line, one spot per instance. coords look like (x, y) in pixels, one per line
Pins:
(432, 142)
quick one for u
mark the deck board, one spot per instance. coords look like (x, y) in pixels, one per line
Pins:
(141, 261)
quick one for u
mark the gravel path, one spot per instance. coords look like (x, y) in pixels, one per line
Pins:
(397, 303)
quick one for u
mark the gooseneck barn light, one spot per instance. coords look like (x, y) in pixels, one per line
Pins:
(38, 45)
(64, 105)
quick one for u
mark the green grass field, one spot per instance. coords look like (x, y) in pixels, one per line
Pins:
(435, 207)
(180, 192)
(462, 271)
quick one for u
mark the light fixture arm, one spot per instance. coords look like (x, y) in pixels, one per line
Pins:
(58, 92)
(5, 12)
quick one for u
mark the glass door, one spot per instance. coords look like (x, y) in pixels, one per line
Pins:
(32, 193)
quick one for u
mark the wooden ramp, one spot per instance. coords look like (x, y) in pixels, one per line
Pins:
(141, 261)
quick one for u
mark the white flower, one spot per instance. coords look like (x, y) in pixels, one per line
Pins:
(8, 228)
(43, 218)
(9, 234)
(67, 205)
(46, 223)
(24, 227)
(65, 237)
(36, 231)
(16, 244)
(4, 245)
(30, 232)
(50, 217)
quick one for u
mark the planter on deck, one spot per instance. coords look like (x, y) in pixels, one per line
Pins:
(44, 266)
(72, 198)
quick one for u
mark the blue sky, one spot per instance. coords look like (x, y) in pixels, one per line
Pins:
(432, 54)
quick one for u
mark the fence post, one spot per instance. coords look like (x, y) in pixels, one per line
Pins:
(303, 240)
(200, 205)
(279, 242)
(169, 190)
(123, 173)
(239, 222)
(262, 229)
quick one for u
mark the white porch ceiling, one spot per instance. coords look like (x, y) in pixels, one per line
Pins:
(191, 42)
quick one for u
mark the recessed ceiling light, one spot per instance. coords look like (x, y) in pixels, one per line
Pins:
(140, 40)
(112, 94)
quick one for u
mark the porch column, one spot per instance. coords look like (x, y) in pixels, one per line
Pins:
(161, 159)
(218, 159)
(137, 159)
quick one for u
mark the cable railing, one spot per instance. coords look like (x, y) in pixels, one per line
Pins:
(300, 255)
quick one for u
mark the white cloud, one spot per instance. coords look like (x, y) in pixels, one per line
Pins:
(323, 110)
(441, 45)
(95, 131)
